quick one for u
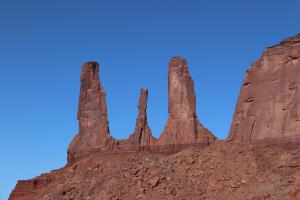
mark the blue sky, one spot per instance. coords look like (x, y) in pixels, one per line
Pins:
(44, 43)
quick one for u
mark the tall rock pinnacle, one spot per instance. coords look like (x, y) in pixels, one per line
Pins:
(92, 112)
(183, 126)
(268, 107)
(142, 135)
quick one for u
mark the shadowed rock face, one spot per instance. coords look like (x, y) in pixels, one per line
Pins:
(92, 112)
(183, 126)
(268, 107)
(142, 134)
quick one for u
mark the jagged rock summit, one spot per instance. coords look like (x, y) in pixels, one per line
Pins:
(142, 135)
(183, 126)
(268, 108)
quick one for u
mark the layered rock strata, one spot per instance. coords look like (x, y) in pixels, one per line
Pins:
(268, 108)
(183, 126)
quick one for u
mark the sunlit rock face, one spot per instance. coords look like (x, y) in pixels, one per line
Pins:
(92, 112)
(183, 126)
(142, 135)
(268, 107)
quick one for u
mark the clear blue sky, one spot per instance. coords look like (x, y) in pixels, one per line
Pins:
(44, 43)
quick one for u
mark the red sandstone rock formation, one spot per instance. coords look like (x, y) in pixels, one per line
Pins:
(92, 113)
(268, 107)
(183, 126)
(142, 135)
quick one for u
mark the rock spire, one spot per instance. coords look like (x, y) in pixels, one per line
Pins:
(183, 126)
(92, 112)
(142, 135)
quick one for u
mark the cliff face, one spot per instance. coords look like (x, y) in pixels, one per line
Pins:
(268, 107)
(183, 126)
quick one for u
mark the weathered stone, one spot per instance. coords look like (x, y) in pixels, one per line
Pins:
(269, 97)
(268, 107)
(142, 135)
(92, 113)
(183, 126)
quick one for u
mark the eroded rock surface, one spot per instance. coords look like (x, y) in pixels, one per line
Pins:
(94, 141)
(268, 107)
(142, 135)
(92, 113)
(219, 172)
(183, 126)
(267, 110)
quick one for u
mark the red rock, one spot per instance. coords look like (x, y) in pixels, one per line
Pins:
(268, 107)
(183, 126)
(142, 135)
(92, 113)
(118, 171)
(116, 176)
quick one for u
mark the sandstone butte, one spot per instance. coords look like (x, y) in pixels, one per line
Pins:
(187, 161)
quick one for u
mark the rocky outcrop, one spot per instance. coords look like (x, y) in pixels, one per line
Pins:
(268, 108)
(182, 131)
(92, 113)
(183, 126)
(26, 189)
(142, 135)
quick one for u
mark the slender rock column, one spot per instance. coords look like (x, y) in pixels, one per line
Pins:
(142, 135)
(183, 126)
(92, 113)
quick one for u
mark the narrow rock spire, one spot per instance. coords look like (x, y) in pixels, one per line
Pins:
(142, 135)
(183, 126)
(92, 112)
